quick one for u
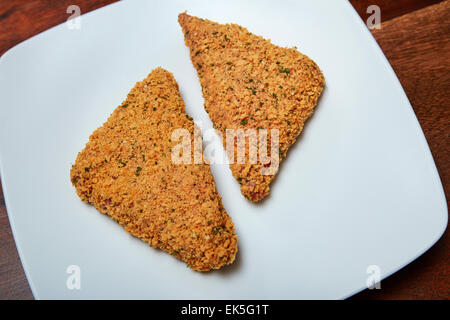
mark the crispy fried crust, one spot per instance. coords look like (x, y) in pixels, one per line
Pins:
(126, 172)
(247, 82)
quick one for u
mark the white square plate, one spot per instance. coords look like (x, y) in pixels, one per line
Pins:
(359, 188)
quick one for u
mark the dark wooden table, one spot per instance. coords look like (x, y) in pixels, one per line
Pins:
(414, 36)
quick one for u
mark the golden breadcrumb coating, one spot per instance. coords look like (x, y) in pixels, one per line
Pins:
(126, 172)
(249, 83)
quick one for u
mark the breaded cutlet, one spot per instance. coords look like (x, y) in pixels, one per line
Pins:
(126, 172)
(249, 83)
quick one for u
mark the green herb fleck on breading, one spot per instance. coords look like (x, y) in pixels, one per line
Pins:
(122, 163)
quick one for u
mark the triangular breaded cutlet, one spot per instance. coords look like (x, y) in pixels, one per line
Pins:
(126, 172)
(250, 83)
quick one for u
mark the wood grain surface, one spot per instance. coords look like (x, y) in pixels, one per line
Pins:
(414, 37)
